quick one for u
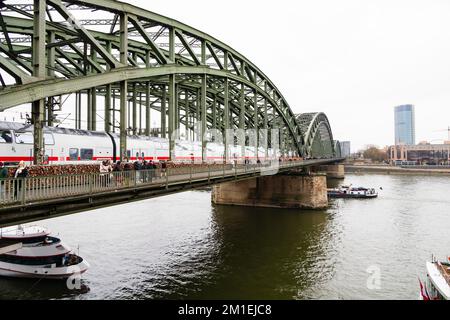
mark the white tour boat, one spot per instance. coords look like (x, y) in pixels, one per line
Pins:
(437, 286)
(352, 192)
(39, 256)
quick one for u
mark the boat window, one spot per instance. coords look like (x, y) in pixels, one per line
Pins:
(5, 136)
(73, 154)
(86, 154)
(24, 137)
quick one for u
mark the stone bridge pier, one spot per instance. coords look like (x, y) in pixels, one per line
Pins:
(332, 171)
(290, 190)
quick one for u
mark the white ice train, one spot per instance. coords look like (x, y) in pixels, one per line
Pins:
(74, 146)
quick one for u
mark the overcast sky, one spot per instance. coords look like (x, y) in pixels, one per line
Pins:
(352, 59)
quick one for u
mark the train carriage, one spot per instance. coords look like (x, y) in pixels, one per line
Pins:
(75, 146)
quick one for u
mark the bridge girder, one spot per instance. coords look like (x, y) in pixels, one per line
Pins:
(337, 149)
(318, 135)
(221, 86)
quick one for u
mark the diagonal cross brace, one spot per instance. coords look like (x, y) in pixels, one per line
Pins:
(62, 10)
(187, 46)
(160, 56)
(15, 71)
(213, 53)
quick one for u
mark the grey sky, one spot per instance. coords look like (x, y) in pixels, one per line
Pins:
(355, 60)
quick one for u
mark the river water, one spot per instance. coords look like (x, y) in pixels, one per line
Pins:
(183, 247)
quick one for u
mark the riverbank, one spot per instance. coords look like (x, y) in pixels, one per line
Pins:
(396, 170)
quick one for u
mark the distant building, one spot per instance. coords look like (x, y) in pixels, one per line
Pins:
(405, 126)
(420, 154)
(345, 148)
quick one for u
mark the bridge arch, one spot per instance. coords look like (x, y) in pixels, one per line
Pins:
(144, 59)
(318, 135)
(337, 149)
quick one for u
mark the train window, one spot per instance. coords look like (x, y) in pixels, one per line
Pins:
(73, 154)
(86, 154)
(5, 136)
(137, 155)
(24, 137)
(48, 139)
(128, 154)
(143, 156)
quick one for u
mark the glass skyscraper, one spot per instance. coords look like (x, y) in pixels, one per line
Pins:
(345, 149)
(405, 126)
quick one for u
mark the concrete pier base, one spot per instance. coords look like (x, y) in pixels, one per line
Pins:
(278, 191)
(334, 171)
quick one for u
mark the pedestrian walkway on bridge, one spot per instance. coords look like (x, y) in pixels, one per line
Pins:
(82, 190)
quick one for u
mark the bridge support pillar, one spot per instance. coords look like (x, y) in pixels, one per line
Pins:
(294, 190)
(334, 171)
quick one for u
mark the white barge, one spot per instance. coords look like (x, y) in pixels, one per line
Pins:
(39, 255)
(352, 192)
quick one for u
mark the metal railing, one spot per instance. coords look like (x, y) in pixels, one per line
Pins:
(24, 191)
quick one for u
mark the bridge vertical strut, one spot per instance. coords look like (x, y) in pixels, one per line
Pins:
(108, 90)
(123, 86)
(204, 114)
(147, 109)
(50, 73)
(39, 71)
(163, 111)
(226, 119)
(266, 126)
(187, 115)
(134, 101)
(255, 122)
(172, 122)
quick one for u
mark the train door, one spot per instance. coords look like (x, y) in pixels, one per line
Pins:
(49, 145)
(23, 146)
(135, 154)
(8, 150)
(151, 151)
(48, 156)
(162, 151)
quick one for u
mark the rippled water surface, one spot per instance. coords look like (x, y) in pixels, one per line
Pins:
(182, 246)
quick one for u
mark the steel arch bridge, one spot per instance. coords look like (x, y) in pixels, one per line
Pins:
(113, 51)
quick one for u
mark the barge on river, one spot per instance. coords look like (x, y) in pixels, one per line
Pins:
(352, 192)
(35, 254)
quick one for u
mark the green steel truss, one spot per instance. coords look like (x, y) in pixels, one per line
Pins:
(147, 60)
(337, 149)
(318, 137)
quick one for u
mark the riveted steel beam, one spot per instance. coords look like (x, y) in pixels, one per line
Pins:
(160, 56)
(123, 85)
(172, 114)
(203, 116)
(66, 14)
(187, 46)
(39, 71)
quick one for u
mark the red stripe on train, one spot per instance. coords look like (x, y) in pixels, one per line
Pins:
(16, 159)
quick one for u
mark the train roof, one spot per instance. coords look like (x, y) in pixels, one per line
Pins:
(21, 127)
(142, 138)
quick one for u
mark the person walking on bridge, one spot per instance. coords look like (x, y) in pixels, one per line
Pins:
(163, 169)
(3, 176)
(20, 173)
